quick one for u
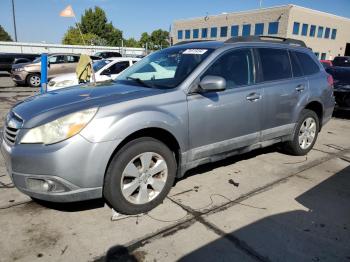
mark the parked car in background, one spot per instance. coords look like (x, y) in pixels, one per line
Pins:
(8, 59)
(341, 61)
(105, 70)
(29, 73)
(341, 76)
(108, 54)
(326, 63)
(129, 140)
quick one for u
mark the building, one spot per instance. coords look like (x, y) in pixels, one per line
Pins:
(328, 35)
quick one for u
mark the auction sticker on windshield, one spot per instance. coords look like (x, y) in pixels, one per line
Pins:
(195, 51)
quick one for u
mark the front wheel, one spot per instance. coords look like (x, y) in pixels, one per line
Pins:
(139, 176)
(34, 80)
(305, 134)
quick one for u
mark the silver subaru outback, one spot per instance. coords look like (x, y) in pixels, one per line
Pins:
(178, 108)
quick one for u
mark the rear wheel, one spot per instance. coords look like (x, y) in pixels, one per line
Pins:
(139, 176)
(34, 80)
(305, 134)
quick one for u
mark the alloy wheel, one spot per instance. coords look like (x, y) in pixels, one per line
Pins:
(307, 133)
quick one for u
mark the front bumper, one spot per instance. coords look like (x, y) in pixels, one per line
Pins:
(19, 77)
(76, 164)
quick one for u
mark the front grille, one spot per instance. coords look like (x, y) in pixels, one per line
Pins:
(10, 135)
(12, 126)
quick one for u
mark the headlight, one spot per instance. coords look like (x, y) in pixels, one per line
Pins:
(59, 129)
(65, 83)
(19, 69)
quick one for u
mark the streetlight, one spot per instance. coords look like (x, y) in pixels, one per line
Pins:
(14, 19)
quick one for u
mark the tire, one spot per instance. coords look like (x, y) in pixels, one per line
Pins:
(148, 188)
(297, 148)
(33, 80)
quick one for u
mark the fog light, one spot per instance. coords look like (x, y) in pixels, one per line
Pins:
(43, 185)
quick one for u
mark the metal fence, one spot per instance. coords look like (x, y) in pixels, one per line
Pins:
(38, 48)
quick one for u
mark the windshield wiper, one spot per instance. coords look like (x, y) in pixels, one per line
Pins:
(140, 81)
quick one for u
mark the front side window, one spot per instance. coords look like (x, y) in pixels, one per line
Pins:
(100, 64)
(187, 34)
(57, 59)
(246, 30)
(296, 26)
(223, 31)
(273, 28)
(179, 34)
(304, 29)
(236, 67)
(259, 29)
(204, 32)
(234, 30)
(213, 32)
(312, 30)
(308, 65)
(327, 32)
(164, 69)
(195, 33)
(320, 32)
(275, 64)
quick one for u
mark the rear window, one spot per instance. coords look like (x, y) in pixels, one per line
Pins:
(275, 64)
(308, 65)
(296, 67)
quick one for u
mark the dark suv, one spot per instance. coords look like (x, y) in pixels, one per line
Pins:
(177, 108)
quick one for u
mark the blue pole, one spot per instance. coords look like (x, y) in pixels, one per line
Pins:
(43, 73)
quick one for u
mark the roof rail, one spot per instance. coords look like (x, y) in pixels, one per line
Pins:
(267, 38)
(191, 41)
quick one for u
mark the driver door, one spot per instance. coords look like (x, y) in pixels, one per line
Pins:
(223, 121)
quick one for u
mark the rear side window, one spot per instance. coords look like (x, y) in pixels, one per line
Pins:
(296, 67)
(235, 66)
(308, 65)
(119, 67)
(275, 64)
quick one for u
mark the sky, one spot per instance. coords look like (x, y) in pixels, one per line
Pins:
(39, 20)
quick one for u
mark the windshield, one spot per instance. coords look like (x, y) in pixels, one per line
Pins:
(99, 64)
(37, 60)
(164, 69)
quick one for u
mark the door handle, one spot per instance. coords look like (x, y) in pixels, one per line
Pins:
(300, 88)
(253, 97)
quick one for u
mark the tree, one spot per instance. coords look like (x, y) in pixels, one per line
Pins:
(96, 28)
(4, 36)
(73, 37)
(160, 39)
(145, 38)
(131, 42)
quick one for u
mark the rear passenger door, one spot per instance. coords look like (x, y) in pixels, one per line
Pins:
(283, 84)
(230, 119)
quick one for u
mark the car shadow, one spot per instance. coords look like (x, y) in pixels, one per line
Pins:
(322, 233)
(342, 114)
(73, 206)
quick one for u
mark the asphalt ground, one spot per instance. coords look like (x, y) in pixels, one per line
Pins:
(260, 206)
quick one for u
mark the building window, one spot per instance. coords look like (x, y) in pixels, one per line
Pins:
(259, 29)
(304, 29)
(327, 32)
(204, 32)
(312, 30)
(323, 56)
(187, 34)
(179, 34)
(195, 33)
(223, 31)
(273, 28)
(320, 32)
(213, 32)
(296, 28)
(246, 30)
(234, 30)
(334, 33)
(317, 54)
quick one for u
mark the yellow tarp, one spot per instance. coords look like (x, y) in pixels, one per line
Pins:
(83, 69)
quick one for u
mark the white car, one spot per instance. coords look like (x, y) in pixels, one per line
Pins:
(105, 70)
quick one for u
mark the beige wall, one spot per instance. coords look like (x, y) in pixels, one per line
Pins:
(329, 46)
(286, 15)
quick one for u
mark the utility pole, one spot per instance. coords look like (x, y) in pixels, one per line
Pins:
(14, 19)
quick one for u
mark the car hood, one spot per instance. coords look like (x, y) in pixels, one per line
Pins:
(70, 76)
(39, 109)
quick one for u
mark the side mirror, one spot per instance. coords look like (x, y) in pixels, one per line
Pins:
(212, 83)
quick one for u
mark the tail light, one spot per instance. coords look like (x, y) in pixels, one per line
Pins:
(330, 81)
